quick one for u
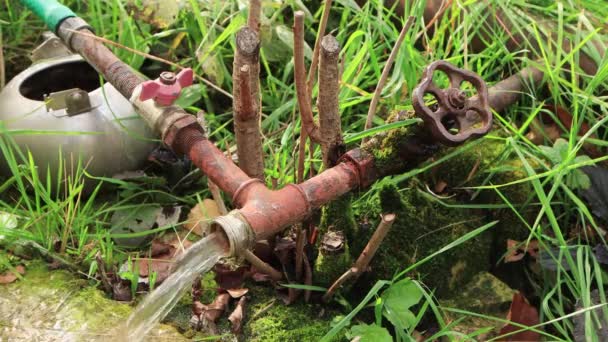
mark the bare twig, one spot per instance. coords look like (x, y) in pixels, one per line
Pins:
(387, 67)
(261, 266)
(307, 279)
(101, 269)
(300, 241)
(308, 123)
(315, 54)
(365, 257)
(246, 103)
(152, 57)
(217, 197)
(327, 102)
(255, 11)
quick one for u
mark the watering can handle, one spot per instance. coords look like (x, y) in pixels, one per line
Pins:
(51, 11)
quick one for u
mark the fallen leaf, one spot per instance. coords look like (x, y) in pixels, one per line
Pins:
(121, 291)
(158, 248)
(9, 276)
(198, 308)
(237, 293)
(168, 216)
(236, 317)
(522, 313)
(517, 250)
(440, 187)
(200, 216)
(597, 194)
(227, 277)
(164, 255)
(332, 242)
(215, 310)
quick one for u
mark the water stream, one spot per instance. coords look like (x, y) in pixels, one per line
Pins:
(198, 259)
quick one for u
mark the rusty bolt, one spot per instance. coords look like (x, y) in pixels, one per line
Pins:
(168, 78)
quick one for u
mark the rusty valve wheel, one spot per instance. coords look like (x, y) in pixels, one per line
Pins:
(471, 117)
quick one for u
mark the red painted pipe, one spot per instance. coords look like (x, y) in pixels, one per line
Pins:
(269, 211)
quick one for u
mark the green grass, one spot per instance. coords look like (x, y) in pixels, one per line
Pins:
(202, 37)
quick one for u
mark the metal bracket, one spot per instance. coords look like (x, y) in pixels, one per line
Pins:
(74, 101)
(51, 47)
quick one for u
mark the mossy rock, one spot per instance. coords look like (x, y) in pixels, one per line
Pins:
(56, 305)
(486, 296)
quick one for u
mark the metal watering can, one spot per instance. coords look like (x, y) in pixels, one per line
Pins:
(58, 109)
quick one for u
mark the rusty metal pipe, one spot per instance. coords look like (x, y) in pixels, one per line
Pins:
(262, 212)
(79, 36)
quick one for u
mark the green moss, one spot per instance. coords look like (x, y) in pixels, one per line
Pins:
(424, 225)
(329, 267)
(80, 310)
(337, 217)
(268, 319)
(421, 228)
(388, 148)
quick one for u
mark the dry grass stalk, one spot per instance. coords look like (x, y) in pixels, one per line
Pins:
(246, 103)
(327, 101)
(387, 68)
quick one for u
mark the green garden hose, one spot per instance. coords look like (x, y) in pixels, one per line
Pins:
(51, 11)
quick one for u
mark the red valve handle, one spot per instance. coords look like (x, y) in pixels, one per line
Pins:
(453, 105)
(167, 88)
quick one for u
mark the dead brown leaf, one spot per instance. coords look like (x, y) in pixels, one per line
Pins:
(9, 276)
(215, 310)
(236, 317)
(163, 255)
(440, 187)
(237, 293)
(523, 313)
(516, 250)
(200, 215)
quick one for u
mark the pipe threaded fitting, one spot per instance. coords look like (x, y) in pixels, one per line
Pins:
(237, 230)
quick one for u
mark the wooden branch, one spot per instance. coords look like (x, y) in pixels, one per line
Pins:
(308, 122)
(301, 155)
(246, 104)
(315, 54)
(387, 67)
(255, 12)
(365, 257)
(327, 101)
(261, 265)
